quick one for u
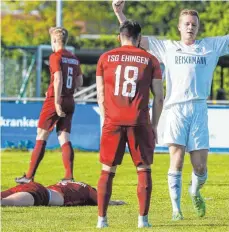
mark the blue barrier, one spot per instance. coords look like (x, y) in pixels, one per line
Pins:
(19, 123)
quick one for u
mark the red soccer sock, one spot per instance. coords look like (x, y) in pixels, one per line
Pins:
(104, 191)
(37, 156)
(144, 190)
(68, 159)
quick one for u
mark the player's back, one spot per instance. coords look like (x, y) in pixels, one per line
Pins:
(76, 193)
(127, 73)
(69, 65)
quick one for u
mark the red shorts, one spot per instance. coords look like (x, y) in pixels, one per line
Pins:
(49, 118)
(140, 140)
(38, 191)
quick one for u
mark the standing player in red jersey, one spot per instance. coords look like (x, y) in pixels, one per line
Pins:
(60, 194)
(124, 79)
(58, 107)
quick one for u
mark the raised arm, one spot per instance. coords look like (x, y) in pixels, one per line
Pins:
(118, 6)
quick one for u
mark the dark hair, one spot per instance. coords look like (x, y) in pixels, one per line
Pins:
(130, 29)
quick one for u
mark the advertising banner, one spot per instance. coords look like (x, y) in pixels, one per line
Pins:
(19, 125)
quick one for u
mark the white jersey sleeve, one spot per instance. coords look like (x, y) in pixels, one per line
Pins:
(157, 48)
(221, 44)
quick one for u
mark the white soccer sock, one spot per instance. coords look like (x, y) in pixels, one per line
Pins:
(102, 222)
(143, 221)
(197, 182)
(175, 184)
(142, 218)
(102, 219)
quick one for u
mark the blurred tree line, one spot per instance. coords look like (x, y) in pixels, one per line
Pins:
(26, 23)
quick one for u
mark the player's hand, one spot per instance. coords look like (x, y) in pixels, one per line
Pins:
(118, 5)
(46, 94)
(155, 134)
(59, 111)
(117, 202)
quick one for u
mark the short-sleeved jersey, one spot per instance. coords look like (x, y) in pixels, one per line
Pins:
(69, 64)
(76, 193)
(188, 69)
(38, 191)
(127, 73)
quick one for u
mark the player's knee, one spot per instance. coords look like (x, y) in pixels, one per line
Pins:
(200, 169)
(42, 134)
(63, 137)
(176, 165)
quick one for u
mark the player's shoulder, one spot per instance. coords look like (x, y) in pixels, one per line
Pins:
(108, 53)
(55, 56)
(143, 52)
(69, 54)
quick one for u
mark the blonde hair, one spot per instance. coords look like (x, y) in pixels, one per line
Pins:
(189, 12)
(60, 34)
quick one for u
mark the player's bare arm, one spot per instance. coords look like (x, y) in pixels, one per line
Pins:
(79, 81)
(58, 83)
(118, 6)
(157, 90)
(117, 202)
(100, 94)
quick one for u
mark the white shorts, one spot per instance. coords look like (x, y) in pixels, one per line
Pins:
(187, 124)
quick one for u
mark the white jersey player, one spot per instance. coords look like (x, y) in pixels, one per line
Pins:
(189, 66)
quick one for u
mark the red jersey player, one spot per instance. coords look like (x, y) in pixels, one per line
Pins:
(58, 107)
(61, 194)
(124, 79)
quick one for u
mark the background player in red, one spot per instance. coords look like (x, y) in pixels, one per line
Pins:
(35, 194)
(124, 79)
(58, 107)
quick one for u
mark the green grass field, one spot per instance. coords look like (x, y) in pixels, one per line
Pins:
(121, 218)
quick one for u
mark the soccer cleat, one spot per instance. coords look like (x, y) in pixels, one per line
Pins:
(199, 205)
(177, 216)
(102, 222)
(143, 222)
(23, 179)
(65, 181)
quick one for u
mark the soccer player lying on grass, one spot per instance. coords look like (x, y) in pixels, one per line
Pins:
(59, 105)
(60, 194)
(189, 66)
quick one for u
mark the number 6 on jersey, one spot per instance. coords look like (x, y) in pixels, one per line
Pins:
(69, 78)
(127, 81)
